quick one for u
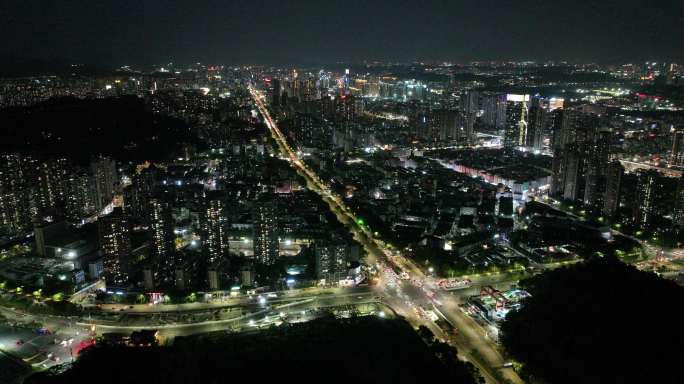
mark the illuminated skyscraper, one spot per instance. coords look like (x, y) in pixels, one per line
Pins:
(115, 244)
(678, 210)
(265, 231)
(596, 165)
(161, 226)
(51, 176)
(106, 181)
(677, 153)
(649, 189)
(79, 196)
(516, 120)
(214, 228)
(15, 217)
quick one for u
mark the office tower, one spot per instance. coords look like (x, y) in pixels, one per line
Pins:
(161, 225)
(649, 190)
(574, 141)
(535, 128)
(214, 228)
(576, 127)
(677, 154)
(276, 94)
(611, 201)
(115, 243)
(494, 110)
(596, 165)
(573, 169)
(516, 120)
(79, 196)
(15, 216)
(106, 181)
(446, 123)
(264, 216)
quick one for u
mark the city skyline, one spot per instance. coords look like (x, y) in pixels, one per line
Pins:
(381, 191)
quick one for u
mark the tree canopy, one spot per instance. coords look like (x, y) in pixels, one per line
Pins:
(601, 321)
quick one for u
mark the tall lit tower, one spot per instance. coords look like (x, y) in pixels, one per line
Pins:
(15, 217)
(214, 231)
(516, 120)
(677, 155)
(161, 226)
(265, 231)
(115, 243)
(104, 174)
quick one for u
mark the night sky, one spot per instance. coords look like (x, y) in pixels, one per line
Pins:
(262, 32)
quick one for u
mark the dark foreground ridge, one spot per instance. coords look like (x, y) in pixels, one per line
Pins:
(363, 349)
(598, 322)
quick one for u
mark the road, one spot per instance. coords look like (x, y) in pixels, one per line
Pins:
(473, 343)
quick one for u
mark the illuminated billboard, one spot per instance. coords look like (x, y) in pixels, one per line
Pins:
(517, 98)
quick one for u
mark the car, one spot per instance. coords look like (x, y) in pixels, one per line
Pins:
(20, 342)
(508, 365)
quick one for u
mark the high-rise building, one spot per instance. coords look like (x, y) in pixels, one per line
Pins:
(79, 196)
(276, 94)
(14, 213)
(535, 127)
(515, 130)
(494, 110)
(446, 124)
(573, 171)
(15, 216)
(162, 226)
(471, 103)
(678, 208)
(331, 259)
(596, 167)
(115, 244)
(649, 189)
(677, 153)
(214, 228)
(265, 222)
(137, 195)
(51, 176)
(611, 201)
(106, 181)
(574, 142)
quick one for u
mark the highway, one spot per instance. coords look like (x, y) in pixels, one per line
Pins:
(472, 343)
